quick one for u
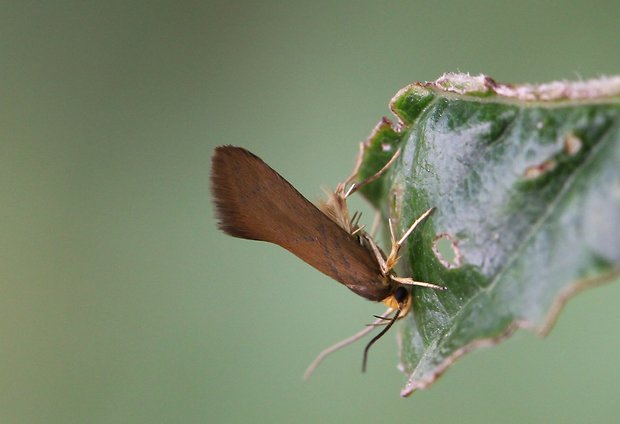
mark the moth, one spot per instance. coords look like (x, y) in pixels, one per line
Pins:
(252, 201)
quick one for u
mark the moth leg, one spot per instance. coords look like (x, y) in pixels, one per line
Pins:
(344, 343)
(378, 255)
(397, 244)
(336, 204)
(356, 168)
(375, 224)
(411, 282)
(356, 186)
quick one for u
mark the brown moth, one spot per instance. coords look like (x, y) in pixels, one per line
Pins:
(253, 201)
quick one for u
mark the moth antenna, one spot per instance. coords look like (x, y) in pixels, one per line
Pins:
(343, 343)
(377, 337)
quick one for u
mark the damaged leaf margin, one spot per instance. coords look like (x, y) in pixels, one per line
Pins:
(507, 167)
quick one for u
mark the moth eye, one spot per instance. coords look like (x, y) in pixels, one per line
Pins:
(401, 294)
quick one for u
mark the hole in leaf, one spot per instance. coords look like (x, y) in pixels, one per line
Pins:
(447, 251)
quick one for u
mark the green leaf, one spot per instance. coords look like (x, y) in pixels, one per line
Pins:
(526, 185)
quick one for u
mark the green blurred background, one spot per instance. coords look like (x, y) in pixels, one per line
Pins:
(120, 302)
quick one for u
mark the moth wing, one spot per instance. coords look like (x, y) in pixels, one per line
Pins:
(253, 201)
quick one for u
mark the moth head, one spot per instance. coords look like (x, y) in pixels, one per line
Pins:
(399, 299)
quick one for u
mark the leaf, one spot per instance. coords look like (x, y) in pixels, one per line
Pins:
(526, 184)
